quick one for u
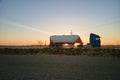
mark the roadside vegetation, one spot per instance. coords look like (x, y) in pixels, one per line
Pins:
(106, 52)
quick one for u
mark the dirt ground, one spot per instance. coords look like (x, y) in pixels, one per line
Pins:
(58, 67)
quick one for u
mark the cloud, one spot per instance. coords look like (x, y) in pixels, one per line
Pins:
(25, 26)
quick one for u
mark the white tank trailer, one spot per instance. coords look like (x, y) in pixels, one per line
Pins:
(64, 40)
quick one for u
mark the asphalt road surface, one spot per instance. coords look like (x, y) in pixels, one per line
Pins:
(58, 67)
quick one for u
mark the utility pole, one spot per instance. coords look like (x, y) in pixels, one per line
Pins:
(71, 32)
(45, 42)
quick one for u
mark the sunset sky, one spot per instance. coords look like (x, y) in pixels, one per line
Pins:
(27, 22)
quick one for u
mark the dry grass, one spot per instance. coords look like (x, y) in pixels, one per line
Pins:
(106, 52)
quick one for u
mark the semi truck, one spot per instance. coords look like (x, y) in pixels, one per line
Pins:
(73, 41)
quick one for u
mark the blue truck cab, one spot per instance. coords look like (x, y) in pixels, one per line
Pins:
(95, 40)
